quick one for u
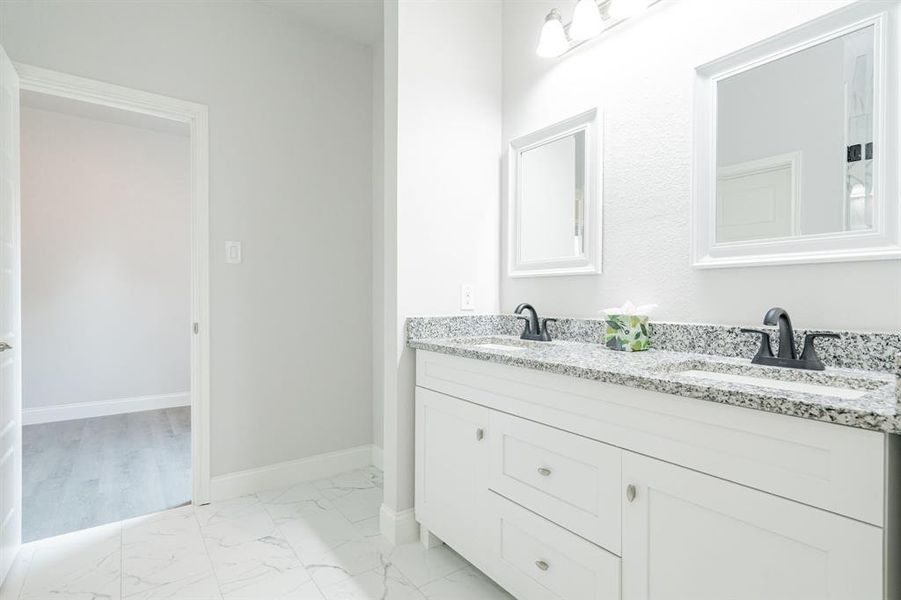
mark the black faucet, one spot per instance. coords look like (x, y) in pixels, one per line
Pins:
(533, 331)
(787, 355)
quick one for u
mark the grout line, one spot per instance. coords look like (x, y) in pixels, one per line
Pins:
(122, 559)
(34, 551)
(290, 545)
(206, 551)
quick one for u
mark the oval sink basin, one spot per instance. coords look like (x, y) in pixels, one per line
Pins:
(837, 384)
(780, 384)
(493, 346)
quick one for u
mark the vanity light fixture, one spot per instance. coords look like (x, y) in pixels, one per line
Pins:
(590, 19)
(553, 41)
(587, 21)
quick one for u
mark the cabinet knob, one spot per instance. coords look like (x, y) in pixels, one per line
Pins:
(542, 565)
(630, 492)
(544, 471)
(480, 434)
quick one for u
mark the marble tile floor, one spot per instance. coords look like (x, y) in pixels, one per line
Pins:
(312, 541)
(88, 472)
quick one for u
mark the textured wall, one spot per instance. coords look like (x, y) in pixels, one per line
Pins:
(641, 74)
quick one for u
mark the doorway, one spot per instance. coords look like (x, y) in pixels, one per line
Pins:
(106, 320)
(124, 440)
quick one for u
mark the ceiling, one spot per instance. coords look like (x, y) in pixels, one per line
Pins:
(357, 20)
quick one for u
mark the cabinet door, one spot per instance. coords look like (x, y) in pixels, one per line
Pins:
(689, 535)
(452, 471)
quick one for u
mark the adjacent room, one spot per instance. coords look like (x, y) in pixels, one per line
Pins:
(106, 300)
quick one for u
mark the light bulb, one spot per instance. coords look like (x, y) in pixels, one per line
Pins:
(553, 40)
(623, 9)
(587, 21)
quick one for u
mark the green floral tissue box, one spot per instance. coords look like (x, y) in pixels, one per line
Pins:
(628, 333)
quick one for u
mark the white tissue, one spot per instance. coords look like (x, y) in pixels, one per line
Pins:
(630, 309)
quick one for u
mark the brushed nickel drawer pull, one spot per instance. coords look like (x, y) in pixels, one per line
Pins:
(542, 565)
(544, 471)
(480, 434)
(630, 492)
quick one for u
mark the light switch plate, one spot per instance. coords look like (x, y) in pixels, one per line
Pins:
(233, 254)
(467, 297)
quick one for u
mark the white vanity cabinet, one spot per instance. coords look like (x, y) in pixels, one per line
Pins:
(687, 535)
(567, 489)
(452, 470)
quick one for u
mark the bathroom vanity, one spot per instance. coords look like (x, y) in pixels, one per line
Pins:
(567, 471)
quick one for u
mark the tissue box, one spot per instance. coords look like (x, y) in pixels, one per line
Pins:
(628, 333)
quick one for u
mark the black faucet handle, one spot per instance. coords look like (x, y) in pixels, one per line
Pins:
(809, 353)
(765, 349)
(528, 328)
(545, 334)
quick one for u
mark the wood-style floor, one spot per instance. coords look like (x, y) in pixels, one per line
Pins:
(87, 472)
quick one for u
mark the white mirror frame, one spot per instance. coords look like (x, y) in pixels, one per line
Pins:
(589, 263)
(883, 242)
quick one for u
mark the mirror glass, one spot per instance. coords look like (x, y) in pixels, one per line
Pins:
(552, 199)
(794, 144)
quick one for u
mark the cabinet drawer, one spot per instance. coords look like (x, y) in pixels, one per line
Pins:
(537, 560)
(566, 478)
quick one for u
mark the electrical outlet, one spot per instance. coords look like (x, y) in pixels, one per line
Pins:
(467, 297)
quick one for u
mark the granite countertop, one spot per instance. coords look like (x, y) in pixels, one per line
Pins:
(662, 371)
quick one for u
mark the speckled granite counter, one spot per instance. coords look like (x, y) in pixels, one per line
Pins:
(662, 371)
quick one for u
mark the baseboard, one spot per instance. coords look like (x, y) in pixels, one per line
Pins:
(377, 458)
(103, 408)
(279, 475)
(398, 527)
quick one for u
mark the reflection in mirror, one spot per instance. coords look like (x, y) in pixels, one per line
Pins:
(794, 144)
(554, 202)
(551, 206)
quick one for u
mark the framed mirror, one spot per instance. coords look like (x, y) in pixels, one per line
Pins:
(797, 137)
(554, 200)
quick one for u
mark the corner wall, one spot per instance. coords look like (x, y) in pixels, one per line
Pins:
(448, 119)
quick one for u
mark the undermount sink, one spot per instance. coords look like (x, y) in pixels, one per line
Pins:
(502, 343)
(790, 380)
(491, 346)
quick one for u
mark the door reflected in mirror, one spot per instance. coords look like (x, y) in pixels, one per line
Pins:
(795, 144)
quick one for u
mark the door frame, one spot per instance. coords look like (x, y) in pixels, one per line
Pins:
(196, 117)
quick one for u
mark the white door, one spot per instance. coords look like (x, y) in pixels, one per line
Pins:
(10, 321)
(692, 536)
(452, 471)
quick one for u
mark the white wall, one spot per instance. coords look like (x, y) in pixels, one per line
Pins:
(106, 260)
(447, 173)
(378, 243)
(641, 73)
(290, 176)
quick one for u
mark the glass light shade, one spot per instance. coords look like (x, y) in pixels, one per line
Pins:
(553, 41)
(587, 21)
(623, 9)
